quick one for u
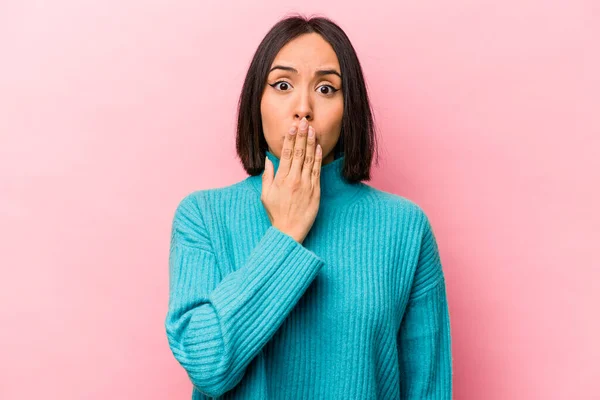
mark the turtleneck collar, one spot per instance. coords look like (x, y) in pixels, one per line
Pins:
(334, 186)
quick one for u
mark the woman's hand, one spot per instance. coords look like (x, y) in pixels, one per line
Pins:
(292, 197)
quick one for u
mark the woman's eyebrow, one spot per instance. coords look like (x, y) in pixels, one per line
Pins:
(319, 72)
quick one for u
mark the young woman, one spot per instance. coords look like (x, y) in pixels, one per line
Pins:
(301, 281)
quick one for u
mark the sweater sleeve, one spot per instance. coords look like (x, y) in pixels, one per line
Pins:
(424, 340)
(216, 325)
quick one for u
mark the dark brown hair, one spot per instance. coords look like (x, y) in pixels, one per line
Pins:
(357, 139)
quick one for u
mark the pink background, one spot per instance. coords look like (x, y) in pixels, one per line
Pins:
(112, 111)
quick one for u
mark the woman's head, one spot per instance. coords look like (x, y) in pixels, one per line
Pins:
(283, 85)
(295, 90)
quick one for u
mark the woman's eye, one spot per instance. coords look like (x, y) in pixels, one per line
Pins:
(284, 85)
(331, 89)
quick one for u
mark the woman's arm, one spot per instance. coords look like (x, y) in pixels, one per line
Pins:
(216, 325)
(424, 340)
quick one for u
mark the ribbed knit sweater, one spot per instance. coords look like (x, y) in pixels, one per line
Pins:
(357, 311)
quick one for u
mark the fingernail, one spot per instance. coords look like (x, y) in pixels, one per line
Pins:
(303, 123)
(292, 130)
(311, 131)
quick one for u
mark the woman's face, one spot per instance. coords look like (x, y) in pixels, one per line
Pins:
(289, 96)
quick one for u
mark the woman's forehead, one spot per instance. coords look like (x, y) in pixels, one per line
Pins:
(307, 53)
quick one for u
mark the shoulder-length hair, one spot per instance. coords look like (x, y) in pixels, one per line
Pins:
(357, 139)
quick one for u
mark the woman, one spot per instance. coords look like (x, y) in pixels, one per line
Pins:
(301, 281)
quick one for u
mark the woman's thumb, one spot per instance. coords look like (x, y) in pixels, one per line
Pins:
(267, 176)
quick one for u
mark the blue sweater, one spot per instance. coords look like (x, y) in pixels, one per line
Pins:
(358, 311)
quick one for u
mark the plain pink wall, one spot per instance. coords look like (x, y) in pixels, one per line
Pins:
(112, 111)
